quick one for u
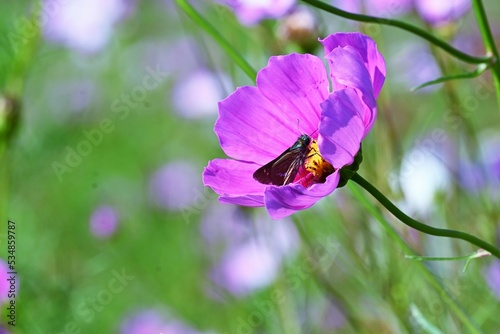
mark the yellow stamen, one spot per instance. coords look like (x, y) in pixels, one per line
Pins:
(316, 165)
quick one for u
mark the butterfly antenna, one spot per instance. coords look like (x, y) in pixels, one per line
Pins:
(313, 132)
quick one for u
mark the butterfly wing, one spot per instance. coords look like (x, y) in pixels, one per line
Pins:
(282, 170)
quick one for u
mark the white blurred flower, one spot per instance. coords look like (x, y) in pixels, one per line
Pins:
(424, 173)
(83, 25)
(198, 94)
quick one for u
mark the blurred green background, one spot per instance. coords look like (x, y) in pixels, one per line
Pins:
(340, 266)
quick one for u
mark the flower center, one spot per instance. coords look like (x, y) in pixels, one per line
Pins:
(315, 169)
(316, 165)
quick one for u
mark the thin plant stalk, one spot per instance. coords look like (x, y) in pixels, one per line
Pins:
(439, 232)
(402, 25)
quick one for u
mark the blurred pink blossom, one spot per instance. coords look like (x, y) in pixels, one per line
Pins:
(4, 284)
(104, 221)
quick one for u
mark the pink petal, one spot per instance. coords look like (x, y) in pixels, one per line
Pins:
(296, 84)
(233, 181)
(258, 124)
(368, 51)
(251, 128)
(348, 70)
(284, 201)
(244, 200)
(341, 129)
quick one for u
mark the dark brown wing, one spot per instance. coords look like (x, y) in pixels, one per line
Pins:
(282, 170)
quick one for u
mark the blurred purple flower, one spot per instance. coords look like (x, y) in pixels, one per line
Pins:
(224, 226)
(83, 25)
(256, 124)
(388, 8)
(334, 317)
(153, 322)
(483, 173)
(382, 8)
(175, 186)
(442, 12)
(424, 66)
(351, 6)
(247, 268)
(250, 12)
(249, 250)
(163, 53)
(472, 175)
(492, 274)
(104, 221)
(4, 284)
(196, 95)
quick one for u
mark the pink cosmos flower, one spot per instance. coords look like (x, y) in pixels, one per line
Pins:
(257, 124)
(250, 12)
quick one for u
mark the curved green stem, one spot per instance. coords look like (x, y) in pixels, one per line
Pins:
(489, 43)
(205, 25)
(405, 26)
(467, 75)
(419, 226)
(468, 258)
(456, 309)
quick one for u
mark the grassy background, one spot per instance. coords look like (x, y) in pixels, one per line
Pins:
(62, 266)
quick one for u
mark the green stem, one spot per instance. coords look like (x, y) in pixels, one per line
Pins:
(405, 26)
(489, 43)
(438, 258)
(467, 75)
(455, 307)
(419, 226)
(210, 29)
